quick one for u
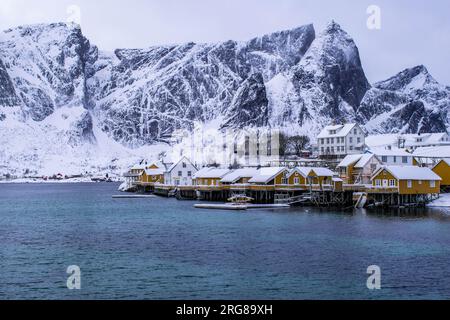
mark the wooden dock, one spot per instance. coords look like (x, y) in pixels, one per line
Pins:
(240, 207)
(134, 196)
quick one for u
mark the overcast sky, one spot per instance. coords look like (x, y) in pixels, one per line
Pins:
(412, 32)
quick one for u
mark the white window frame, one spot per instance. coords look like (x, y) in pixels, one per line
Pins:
(409, 184)
(296, 180)
(432, 184)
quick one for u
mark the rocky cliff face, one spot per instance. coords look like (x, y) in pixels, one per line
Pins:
(327, 85)
(410, 102)
(290, 79)
(141, 96)
(7, 92)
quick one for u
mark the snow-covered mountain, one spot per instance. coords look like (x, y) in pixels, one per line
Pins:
(410, 102)
(62, 98)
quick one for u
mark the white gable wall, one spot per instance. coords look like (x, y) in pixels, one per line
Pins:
(181, 174)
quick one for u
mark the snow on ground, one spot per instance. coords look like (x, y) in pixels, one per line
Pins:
(443, 201)
(36, 149)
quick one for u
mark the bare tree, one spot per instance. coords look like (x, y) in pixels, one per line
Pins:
(297, 144)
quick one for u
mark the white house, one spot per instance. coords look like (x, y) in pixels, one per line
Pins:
(180, 173)
(393, 157)
(337, 141)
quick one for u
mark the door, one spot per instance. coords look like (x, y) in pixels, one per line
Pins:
(385, 183)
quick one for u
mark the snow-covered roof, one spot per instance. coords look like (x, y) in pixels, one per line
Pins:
(201, 172)
(265, 175)
(350, 159)
(138, 167)
(341, 130)
(409, 173)
(235, 175)
(323, 172)
(358, 160)
(383, 140)
(390, 152)
(304, 172)
(211, 173)
(154, 172)
(176, 163)
(433, 152)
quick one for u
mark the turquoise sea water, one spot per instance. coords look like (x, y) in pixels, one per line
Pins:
(165, 249)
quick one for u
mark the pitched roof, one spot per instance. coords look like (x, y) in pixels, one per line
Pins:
(304, 172)
(323, 172)
(350, 159)
(233, 176)
(176, 163)
(211, 173)
(433, 152)
(447, 161)
(341, 130)
(409, 173)
(138, 167)
(154, 172)
(265, 175)
(392, 152)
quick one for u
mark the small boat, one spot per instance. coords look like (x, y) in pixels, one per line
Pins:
(240, 199)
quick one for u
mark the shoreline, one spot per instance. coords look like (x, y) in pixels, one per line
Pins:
(65, 181)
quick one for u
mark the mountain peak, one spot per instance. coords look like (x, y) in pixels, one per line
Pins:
(409, 79)
(333, 26)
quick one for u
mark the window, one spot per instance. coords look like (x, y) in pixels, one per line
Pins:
(332, 149)
(395, 159)
(409, 184)
(351, 140)
(359, 140)
(391, 183)
(332, 140)
(189, 173)
(420, 181)
(296, 181)
(180, 173)
(378, 183)
(351, 147)
(184, 165)
(328, 140)
(284, 181)
(433, 184)
(355, 131)
(384, 158)
(405, 159)
(323, 149)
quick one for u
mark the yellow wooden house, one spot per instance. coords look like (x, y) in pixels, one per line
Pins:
(442, 169)
(239, 176)
(320, 177)
(152, 176)
(406, 180)
(271, 176)
(298, 177)
(358, 168)
(209, 177)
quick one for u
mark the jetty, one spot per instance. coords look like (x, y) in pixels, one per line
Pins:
(240, 207)
(134, 196)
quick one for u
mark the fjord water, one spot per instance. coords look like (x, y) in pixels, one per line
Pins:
(165, 249)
